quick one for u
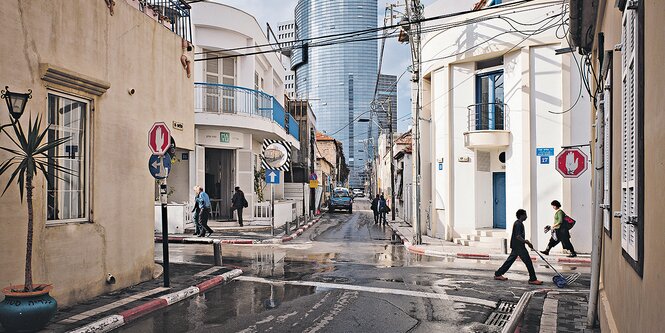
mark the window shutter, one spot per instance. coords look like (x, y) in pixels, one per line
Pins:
(607, 152)
(629, 167)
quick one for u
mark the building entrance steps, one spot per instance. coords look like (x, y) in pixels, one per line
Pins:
(441, 248)
(484, 238)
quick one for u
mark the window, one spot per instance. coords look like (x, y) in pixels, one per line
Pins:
(631, 168)
(220, 71)
(607, 151)
(489, 102)
(68, 193)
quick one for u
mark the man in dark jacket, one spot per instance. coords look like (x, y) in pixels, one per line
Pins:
(238, 203)
(517, 242)
(375, 209)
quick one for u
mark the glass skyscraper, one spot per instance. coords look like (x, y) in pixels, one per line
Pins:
(339, 79)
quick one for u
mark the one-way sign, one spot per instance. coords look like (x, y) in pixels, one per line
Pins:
(272, 176)
(159, 166)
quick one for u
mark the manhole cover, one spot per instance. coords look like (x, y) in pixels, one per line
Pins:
(499, 317)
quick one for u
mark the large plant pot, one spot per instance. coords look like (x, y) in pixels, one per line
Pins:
(27, 311)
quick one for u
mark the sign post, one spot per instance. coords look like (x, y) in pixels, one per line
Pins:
(272, 178)
(159, 165)
(571, 162)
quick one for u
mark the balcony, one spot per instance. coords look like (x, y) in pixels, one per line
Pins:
(173, 14)
(487, 126)
(221, 104)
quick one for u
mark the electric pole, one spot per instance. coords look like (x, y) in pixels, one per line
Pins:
(414, 15)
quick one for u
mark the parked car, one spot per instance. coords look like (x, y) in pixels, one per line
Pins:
(340, 199)
(358, 193)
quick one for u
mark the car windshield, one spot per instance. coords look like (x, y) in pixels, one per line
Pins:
(340, 194)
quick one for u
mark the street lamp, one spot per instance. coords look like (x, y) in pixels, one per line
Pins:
(16, 102)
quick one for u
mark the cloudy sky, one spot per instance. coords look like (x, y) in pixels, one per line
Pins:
(396, 56)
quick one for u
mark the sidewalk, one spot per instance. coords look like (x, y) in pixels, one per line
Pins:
(440, 248)
(247, 234)
(552, 311)
(112, 310)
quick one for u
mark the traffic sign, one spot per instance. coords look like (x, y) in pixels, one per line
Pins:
(313, 183)
(313, 176)
(159, 138)
(571, 162)
(159, 166)
(272, 176)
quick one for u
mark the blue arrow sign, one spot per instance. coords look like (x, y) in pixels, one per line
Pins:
(159, 166)
(272, 176)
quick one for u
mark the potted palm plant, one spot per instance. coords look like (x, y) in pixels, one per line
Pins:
(27, 307)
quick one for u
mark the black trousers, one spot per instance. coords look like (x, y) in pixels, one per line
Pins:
(239, 210)
(376, 216)
(564, 237)
(203, 220)
(523, 254)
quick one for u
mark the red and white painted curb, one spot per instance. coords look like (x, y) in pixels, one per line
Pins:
(478, 256)
(207, 240)
(112, 322)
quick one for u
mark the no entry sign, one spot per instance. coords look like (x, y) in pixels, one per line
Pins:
(159, 138)
(571, 162)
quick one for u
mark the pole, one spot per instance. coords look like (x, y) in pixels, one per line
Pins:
(165, 232)
(597, 214)
(272, 210)
(392, 154)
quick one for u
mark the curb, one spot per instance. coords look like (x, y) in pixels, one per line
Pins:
(112, 322)
(206, 240)
(478, 256)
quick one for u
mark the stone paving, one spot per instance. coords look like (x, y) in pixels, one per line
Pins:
(557, 311)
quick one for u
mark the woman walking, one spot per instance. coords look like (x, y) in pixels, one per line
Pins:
(560, 232)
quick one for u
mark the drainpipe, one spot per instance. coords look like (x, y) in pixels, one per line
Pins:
(597, 214)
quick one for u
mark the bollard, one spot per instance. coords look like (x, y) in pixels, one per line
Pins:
(217, 250)
(504, 246)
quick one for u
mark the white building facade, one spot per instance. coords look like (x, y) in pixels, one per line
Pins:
(238, 104)
(496, 96)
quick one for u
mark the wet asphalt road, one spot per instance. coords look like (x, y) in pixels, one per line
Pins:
(343, 275)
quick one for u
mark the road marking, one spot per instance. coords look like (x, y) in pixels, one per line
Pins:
(208, 271)
(411, 293)
(548, 318)
(341, 303)
(111, 306)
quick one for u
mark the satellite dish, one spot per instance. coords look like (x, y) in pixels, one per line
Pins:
(275, 155)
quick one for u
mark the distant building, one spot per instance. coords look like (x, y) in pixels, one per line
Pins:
(387, 101)
(286, 36)
(338, 79)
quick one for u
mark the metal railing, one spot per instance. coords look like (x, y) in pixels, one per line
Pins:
(226, 99)
(487, 117)
(173, 14)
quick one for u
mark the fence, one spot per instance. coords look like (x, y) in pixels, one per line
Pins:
(173, 14)
(487, 117)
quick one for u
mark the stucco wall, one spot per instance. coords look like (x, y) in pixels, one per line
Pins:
(630, 303)
(129, 50)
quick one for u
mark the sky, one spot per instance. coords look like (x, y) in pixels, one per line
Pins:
(397, 57)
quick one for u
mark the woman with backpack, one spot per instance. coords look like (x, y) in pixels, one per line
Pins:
(560, 231)
(383, 209)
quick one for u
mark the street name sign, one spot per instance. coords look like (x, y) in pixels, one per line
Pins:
(571, 162)
(159, 138)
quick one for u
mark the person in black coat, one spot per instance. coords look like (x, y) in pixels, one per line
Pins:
(375, 209)
(238, 203)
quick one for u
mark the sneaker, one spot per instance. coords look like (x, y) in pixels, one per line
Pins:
(572, 255)
(500, 278)
(536, 282)
(546, 252)
(209, 233)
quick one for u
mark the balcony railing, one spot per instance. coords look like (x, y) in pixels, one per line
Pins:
(226, 99)
(173, 14)
(487, 117)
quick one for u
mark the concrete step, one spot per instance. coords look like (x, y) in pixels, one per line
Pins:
(461, 241)
(491, 233)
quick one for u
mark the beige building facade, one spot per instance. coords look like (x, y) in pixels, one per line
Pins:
(101, 76)
(626, 47)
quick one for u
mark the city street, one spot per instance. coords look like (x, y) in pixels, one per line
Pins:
(345, 275)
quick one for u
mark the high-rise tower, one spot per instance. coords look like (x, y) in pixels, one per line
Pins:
(339, 78)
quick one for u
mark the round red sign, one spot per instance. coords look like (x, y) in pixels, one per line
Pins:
(571, 162)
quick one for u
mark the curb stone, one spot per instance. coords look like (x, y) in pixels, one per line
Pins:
(112, 322)
(477, 256)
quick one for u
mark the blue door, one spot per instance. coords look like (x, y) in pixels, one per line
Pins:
(499, 188)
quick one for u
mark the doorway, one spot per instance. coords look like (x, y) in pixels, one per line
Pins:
(220, 181)
(499, 190)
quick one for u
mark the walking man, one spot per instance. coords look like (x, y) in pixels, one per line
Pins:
(383, 209)
(517, 242)
(238, 203)
(204, 212)
(560, 231)
(196, 212)
(375, 209)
